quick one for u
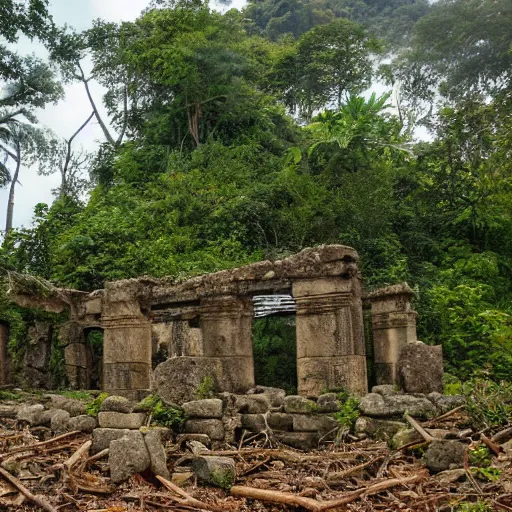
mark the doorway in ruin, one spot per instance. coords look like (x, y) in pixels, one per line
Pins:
(274, 342)
(94, 345)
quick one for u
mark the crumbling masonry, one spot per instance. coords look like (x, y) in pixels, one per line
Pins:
(207, 321)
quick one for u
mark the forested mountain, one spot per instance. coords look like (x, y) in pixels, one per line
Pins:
(246, 135)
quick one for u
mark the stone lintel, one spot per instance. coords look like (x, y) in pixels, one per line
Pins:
(393, 320)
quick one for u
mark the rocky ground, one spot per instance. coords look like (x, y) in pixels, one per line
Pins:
(442, 465)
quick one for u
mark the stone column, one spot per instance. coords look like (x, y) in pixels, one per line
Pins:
(126, 341)
(394, 325)
(330, 336)
(4, 340)
(226, 325)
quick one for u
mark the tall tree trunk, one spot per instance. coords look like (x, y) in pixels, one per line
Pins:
(10, 204)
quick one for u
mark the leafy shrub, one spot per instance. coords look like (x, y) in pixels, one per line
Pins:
(205, 388)
(480, 456)
(489, 404)
(161, 414)
(349, 411)
(93, 407)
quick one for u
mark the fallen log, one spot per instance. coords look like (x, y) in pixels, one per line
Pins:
(286, 498)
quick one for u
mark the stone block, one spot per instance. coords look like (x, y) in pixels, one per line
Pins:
(83, 423)
(30, 413)
(280, 421)
(300, 440)
(73, 406)
(380, 406)
(409, 435)
(110, 419)
(314, 423)
(128, 344)
(299, 404)
(178, 380)
(420, 368)
(253, 422)
(328, 402)
(116, 404)
(60, 421)
(102, 437)
(209, 408)
(126, 376)
(218, 471)
(275, 395)
(252, 404)
(378, 429)
(237, 373)
(214, 429)
(128, 456)
(385, 389)
(446, 403)
(200, 438)
(443, 455)
(158, 458)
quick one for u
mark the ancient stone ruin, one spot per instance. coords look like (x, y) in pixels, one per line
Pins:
(203, 326)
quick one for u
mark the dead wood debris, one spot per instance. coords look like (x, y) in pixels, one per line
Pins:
(59, 474)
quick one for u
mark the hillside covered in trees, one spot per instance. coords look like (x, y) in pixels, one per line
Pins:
(251, 134)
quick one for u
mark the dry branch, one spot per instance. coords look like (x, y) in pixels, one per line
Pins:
(40, 502)
(421, 431)
(187, 499)
(69, 463)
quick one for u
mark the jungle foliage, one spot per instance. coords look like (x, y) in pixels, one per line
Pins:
(247, 135)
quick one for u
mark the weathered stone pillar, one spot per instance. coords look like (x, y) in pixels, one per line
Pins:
(330, 339)
(4, 340)
(226, 325)
(394, 325)
(126, 341)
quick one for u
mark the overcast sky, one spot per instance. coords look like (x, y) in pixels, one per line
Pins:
(65, 117)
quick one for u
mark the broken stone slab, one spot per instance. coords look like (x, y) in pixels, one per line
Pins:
(157, 456)
(208, 408)
(102, 437)
(328, 402)
(314, 423)
(443, 455)
(280, 421)
(60, 421)
(73, 406)
(218, 471)
(179, 379)
(381, 406)
(254, 422)
(300, 440)
(446, 403)
(450, 476)
(252, 404)
(379, 429)
(213, 428)
(30, 413)
(275, 395)
(132, 420)
(385, 390)
(8, 411)
(409, 435)
(420, 368)
(84, 423)
(116, 404)
(299, 404)
(128, 456)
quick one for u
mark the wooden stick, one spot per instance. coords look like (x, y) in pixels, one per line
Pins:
(98, 456)
(69, 463)
(41, 444)
(492, 446)
(421, 431)
(187, 499)
(40, 502)
(445, 415)
(287, 498)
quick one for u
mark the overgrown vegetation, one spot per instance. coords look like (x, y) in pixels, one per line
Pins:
(93, 407)
(349, 411)
(162, 414)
